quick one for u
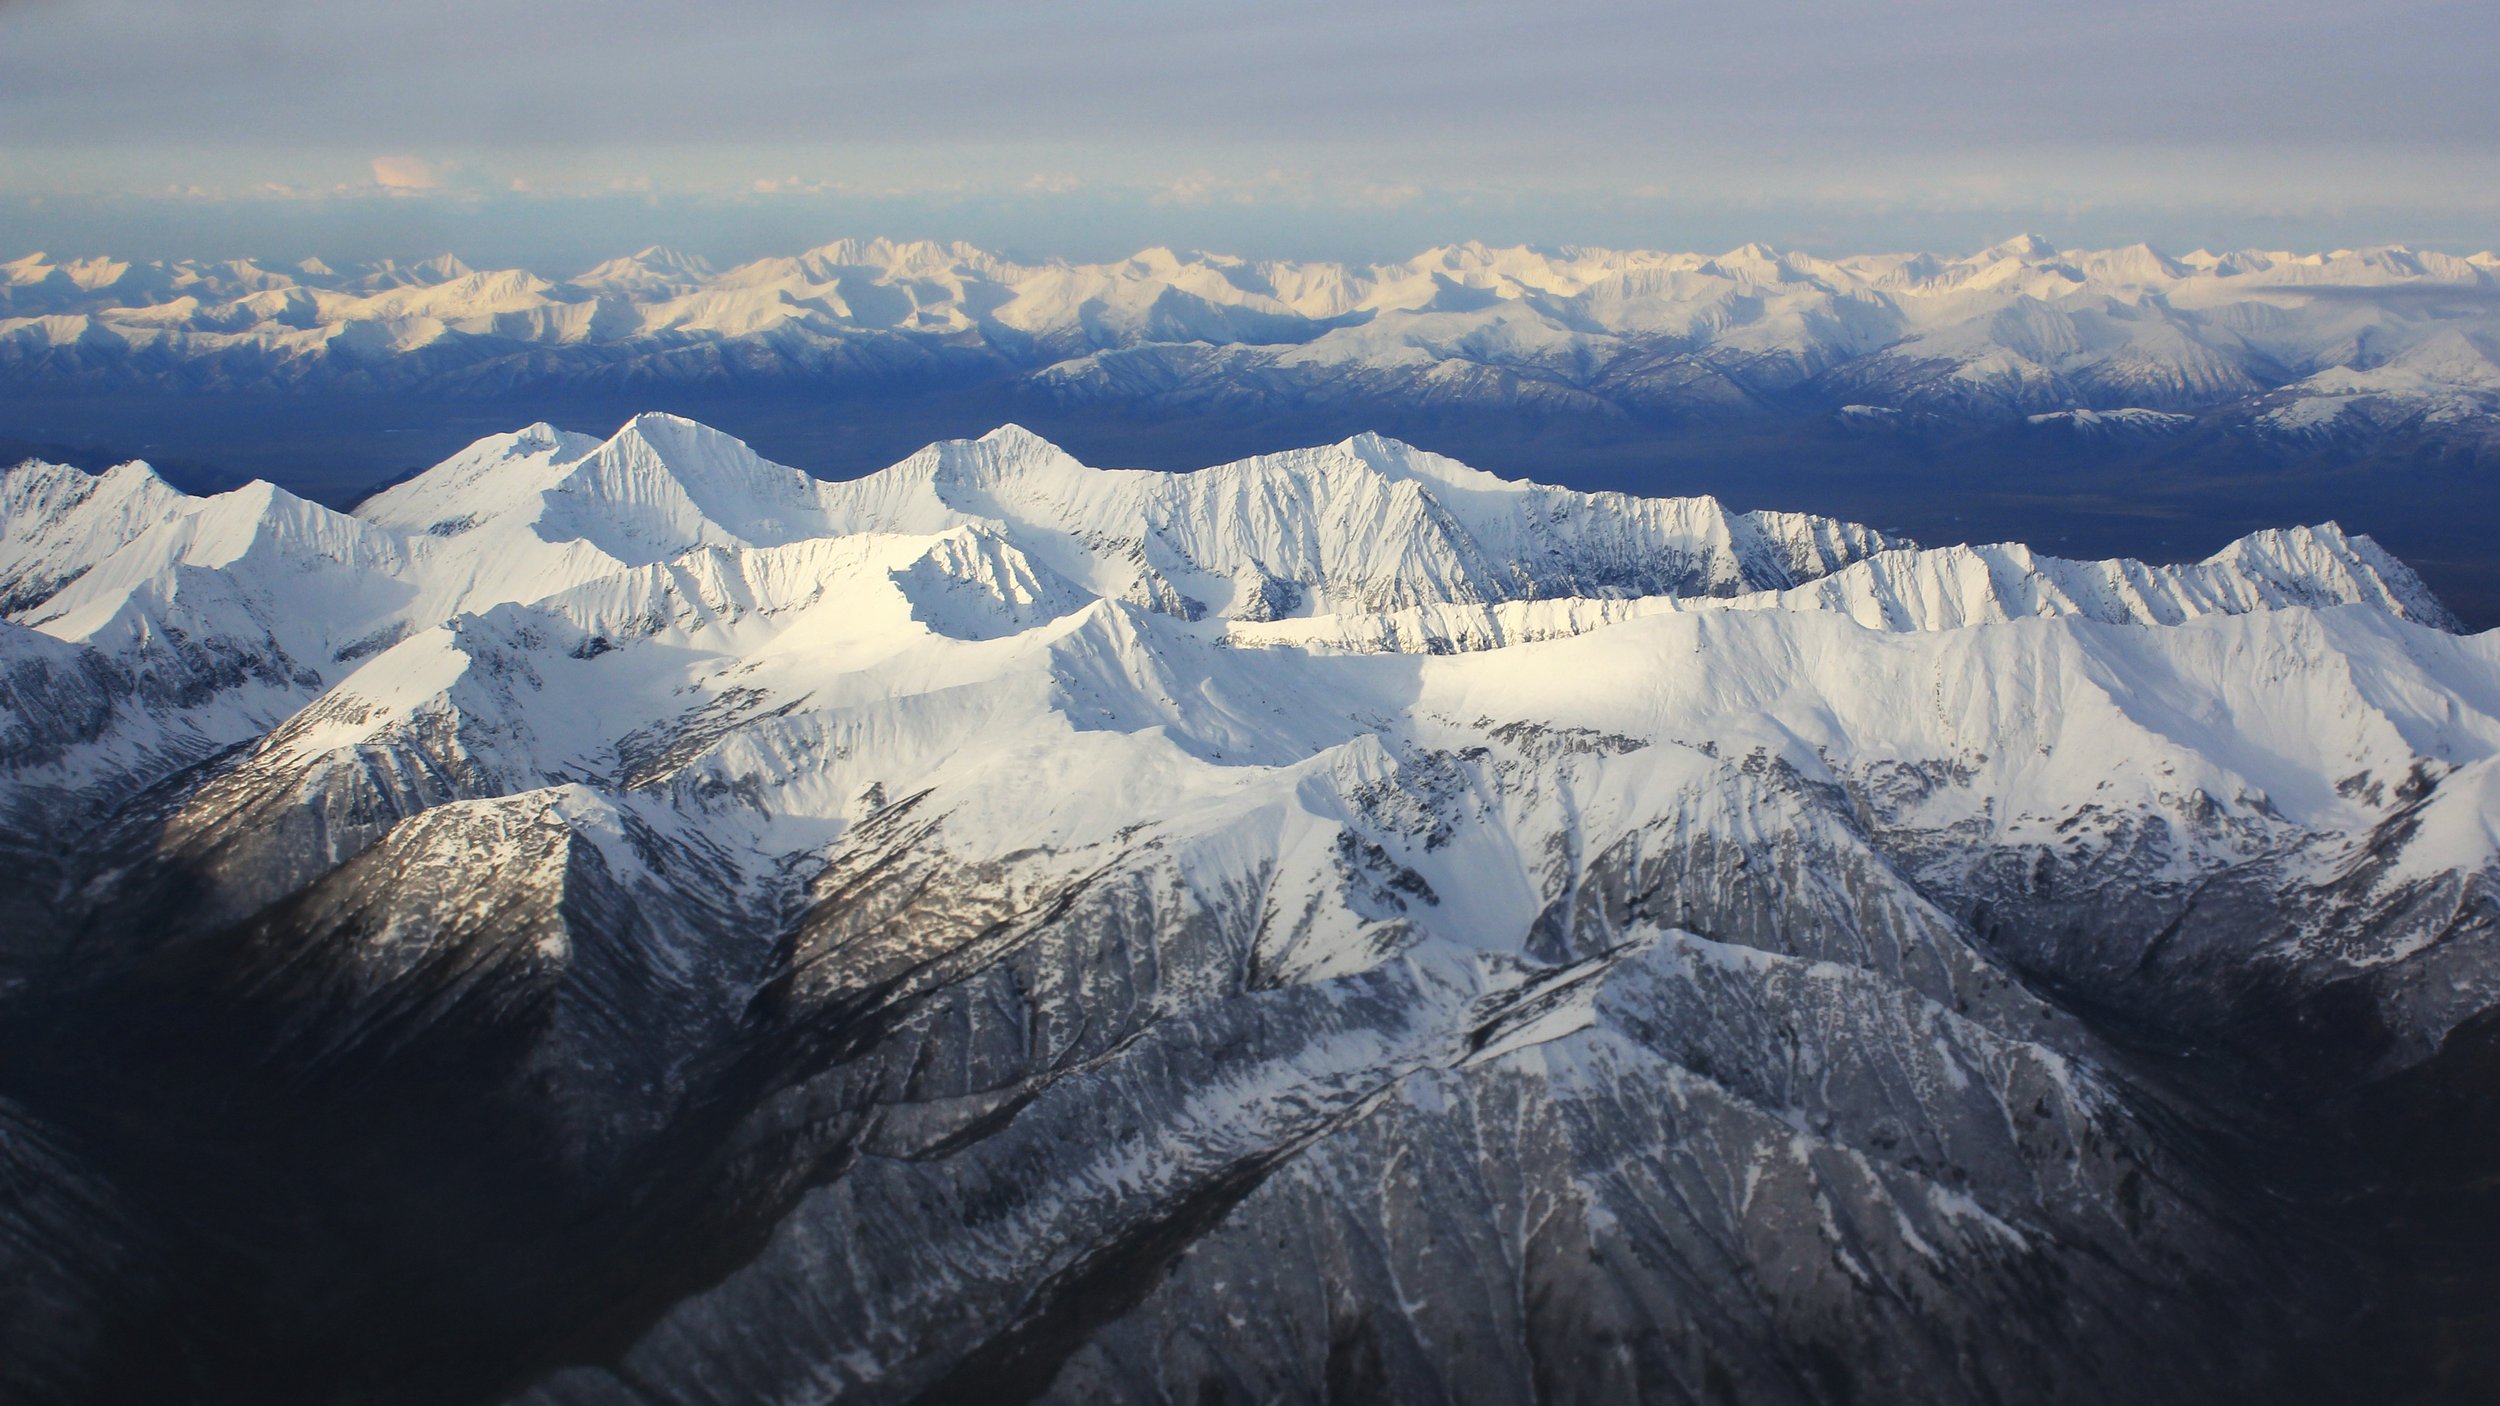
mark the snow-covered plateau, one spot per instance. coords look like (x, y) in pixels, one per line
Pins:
(623, 920)
(2277, 345)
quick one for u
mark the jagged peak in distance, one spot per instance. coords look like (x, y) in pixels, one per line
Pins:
(1321, 289)
(2293, 346)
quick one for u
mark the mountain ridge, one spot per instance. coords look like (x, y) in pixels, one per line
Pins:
(2023, 328)
(652, 922)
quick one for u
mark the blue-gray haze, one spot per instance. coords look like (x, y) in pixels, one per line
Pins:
(556, 130)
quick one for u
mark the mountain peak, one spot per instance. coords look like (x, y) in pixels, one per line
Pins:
(2021, 246)
(649, 424)
(688, 450)
(2452, 355)
(1395, 458)
(900, 255)
(1008, 448)
(655, 269)
(1012, 435)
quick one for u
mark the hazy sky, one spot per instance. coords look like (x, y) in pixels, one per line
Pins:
(558, 130)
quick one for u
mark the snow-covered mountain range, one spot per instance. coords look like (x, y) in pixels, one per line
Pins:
(2287, 346)
(625, 920)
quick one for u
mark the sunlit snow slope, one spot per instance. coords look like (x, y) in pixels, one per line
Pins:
(2126, 342)
(1337, 925)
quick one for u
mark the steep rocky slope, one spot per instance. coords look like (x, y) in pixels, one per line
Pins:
(620, 920)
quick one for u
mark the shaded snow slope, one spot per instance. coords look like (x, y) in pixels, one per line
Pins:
(762, 939)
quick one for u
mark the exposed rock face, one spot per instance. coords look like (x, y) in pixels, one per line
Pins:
(721, 937)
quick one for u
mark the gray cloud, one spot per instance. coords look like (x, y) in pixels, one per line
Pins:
(1783, 72)
(2099, 102)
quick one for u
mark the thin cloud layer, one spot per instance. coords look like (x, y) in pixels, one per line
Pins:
(2235, 108)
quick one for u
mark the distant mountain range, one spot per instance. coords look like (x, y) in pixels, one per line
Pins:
(2296, 347)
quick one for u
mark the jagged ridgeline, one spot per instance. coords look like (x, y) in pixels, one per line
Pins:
(621, 920)
(2127, 344)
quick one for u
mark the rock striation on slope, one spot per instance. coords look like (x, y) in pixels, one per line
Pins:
(620, 919)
